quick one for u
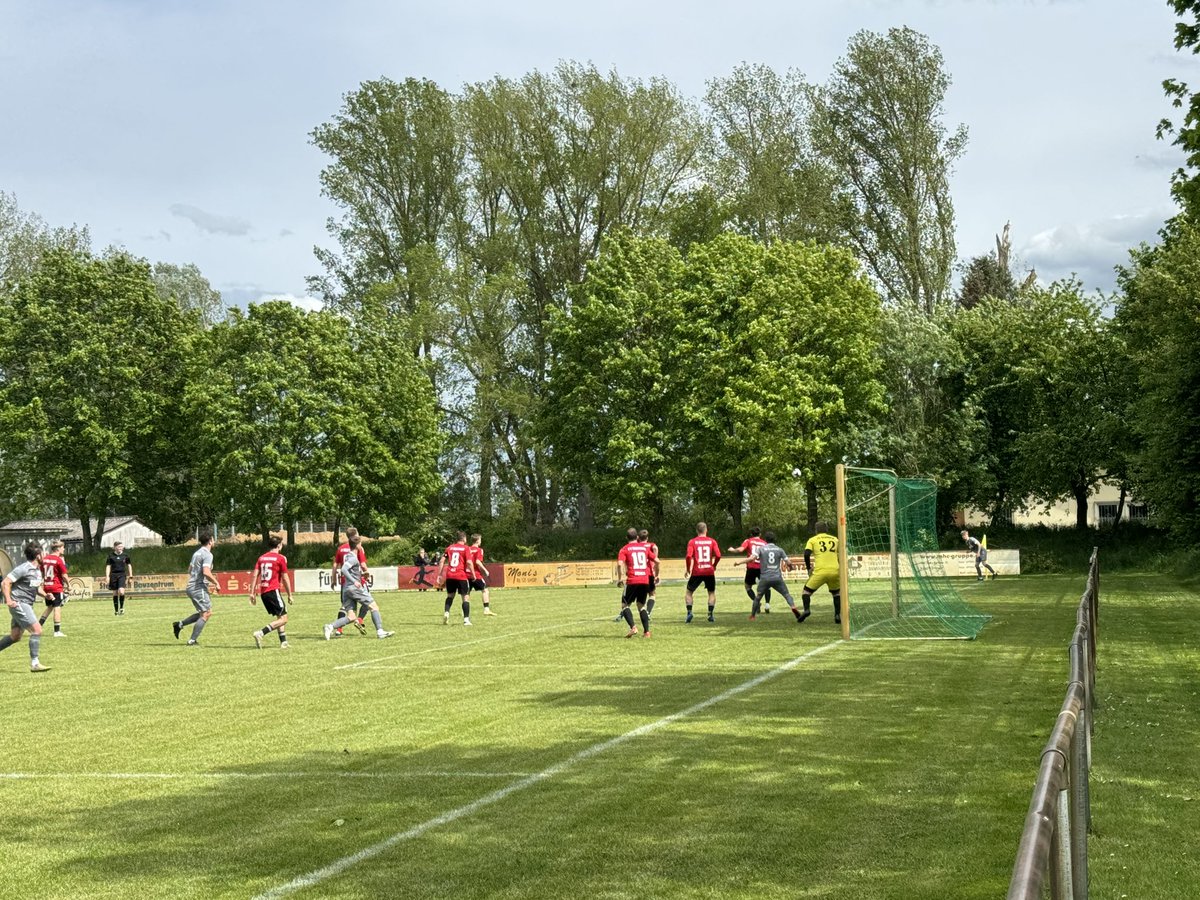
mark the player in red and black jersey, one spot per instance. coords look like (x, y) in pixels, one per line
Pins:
(644, 537)
(459, 571)
(475, 551)
(700, 566)
(270, 572)
(339, 557)
(636, 565)
(753, 569)
(54, 583)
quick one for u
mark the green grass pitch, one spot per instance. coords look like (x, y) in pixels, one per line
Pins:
(540, 754)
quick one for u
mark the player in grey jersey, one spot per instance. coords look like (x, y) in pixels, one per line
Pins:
(355, 593)
(200, 578)
(976, 548)
(22, 587)
(774, 562)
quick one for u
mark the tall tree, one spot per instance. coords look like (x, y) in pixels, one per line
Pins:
(559, 161)
(91, 361)
(311, 424)
(1185, 183)
(396, 173)
(879, 123)
(1159, 317)
(185, 286)
(763, 165)
(24, 237)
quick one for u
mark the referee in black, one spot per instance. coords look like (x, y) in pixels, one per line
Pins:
(117, 572)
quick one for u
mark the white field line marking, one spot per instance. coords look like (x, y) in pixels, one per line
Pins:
(440, 648)
(337, 867)
(607, 667)
(218, 776)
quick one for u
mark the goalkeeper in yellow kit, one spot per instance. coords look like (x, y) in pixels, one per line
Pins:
(821, 561)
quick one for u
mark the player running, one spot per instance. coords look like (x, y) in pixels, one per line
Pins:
(636, 565)
(700, 567)
(339, 559)
(21, 588)
(200, 577)
(753, 569)
(821, 561)
(459, 571)
(477, 583)
(773, 562)
(54, 584)
(270, 572)
(355, 592)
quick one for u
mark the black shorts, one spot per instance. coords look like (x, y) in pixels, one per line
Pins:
(57, 598)
(459, 586)
(752, 576)
(478, 584)
(273, 603)
(116, 583)
(709, 582)
(636, 593)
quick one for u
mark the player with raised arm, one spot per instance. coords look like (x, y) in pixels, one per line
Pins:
(21, 588)
(458, 571)
(54, 584)
(339, 559)
(773, 562)
(636, 564)
(477, 583)
(821, 561)
(270, 572)
(356, 593)
(118, 570)
(753, 569)
(200, 578)
(976, 548)
(700, 567)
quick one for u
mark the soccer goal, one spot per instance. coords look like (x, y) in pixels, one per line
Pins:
(896, 586)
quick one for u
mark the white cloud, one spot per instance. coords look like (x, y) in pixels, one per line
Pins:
(1091, 250)
(211, 222)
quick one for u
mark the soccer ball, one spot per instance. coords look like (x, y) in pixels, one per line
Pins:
(796, 473)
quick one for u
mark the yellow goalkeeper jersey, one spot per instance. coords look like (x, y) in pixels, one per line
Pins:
(823, 548)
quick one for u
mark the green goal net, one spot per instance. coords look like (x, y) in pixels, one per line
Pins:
(898, 584)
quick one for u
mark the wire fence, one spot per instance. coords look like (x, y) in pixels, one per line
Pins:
(1053, 853)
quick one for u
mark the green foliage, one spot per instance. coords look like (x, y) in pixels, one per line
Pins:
(763, 165)
(78, 403)
(1159, 317)
(190, 291)
(719, 372)
(878, 121)
(1185, 182)
(985, 277)
(287, 431)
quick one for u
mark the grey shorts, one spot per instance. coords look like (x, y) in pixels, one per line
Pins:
(773, 584)
(200, 599)
(981, 556)
(23, 616)
(352, 598)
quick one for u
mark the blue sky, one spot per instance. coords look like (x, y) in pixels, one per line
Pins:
(179, 130)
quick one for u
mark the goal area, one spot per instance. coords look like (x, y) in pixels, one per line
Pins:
(895, 584)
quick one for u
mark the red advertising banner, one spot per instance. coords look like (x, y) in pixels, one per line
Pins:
(409, 580)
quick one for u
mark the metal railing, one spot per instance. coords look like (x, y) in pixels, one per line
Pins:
(1054, 843)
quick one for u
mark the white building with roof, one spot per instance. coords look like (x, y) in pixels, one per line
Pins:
(129, 530)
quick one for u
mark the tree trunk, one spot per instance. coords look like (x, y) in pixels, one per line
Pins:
(291, 532)
(1079, 490)
(98, 537)
(735, 508)
(337, 527)
(811, 491)
(1120, 506)
(658, 516)
(587, 515)
(85, 525)
(485, 475)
